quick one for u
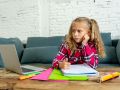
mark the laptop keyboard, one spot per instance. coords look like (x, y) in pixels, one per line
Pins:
(26, 70)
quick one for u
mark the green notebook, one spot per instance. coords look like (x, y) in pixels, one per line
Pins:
(58, 75)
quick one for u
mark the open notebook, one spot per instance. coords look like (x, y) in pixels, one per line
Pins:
(80, 69)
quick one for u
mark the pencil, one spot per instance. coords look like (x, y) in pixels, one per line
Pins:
(109, 76)
(29, 75)
(26, 77)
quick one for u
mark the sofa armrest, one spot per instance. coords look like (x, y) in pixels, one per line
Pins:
(118, 50)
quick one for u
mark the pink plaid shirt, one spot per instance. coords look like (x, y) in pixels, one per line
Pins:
(84, 54)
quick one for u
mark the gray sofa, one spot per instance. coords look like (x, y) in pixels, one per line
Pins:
(42, 50)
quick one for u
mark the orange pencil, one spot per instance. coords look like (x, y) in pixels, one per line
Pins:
(26, 77)
(29, 75)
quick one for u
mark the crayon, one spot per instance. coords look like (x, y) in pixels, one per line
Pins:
(26, 77)
(109, 76)
(29, 75)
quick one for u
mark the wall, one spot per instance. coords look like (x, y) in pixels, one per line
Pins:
(26, 18)
(19, 18)
(106, 12)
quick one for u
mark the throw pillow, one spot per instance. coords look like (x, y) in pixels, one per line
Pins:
(39, 54)
(118, 51)
(111, 57)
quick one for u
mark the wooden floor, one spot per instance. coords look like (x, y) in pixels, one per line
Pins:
(9, 81)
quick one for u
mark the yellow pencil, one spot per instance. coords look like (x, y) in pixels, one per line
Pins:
(109, 76)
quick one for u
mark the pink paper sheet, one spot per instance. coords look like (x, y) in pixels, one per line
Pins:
(44, 75)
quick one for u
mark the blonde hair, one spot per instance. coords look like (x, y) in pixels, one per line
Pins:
(94, 37)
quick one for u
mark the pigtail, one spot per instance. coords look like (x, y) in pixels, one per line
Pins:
(94, 27)
(96, 37)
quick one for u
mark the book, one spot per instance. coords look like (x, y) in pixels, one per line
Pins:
(80, 69)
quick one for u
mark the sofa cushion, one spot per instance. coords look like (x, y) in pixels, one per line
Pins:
(111, 57)
(106, 37)
(44, 41)
(118, 51)
(57, 40)
(39, 54)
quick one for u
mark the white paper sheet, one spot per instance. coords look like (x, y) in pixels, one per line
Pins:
(80, 69)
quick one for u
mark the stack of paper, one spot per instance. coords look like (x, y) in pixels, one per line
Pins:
(58, 75)
(80, 69)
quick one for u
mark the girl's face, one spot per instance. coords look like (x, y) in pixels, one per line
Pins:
(79, 29)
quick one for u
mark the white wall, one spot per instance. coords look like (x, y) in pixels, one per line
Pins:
(19, 18)
(106, 12)
(26, 18)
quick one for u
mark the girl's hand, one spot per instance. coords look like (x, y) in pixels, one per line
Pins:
(64, 64)
(85, 39)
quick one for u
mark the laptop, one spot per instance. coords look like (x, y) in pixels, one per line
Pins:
(11, 61)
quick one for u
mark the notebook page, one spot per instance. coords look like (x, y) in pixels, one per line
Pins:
(79, 69)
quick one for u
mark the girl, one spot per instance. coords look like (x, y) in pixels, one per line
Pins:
(83, 44)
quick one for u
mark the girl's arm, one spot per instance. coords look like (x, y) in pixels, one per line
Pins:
(90, 55)
(60, 56)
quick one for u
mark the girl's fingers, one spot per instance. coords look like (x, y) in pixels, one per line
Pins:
(67, 65)
(86, 36)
